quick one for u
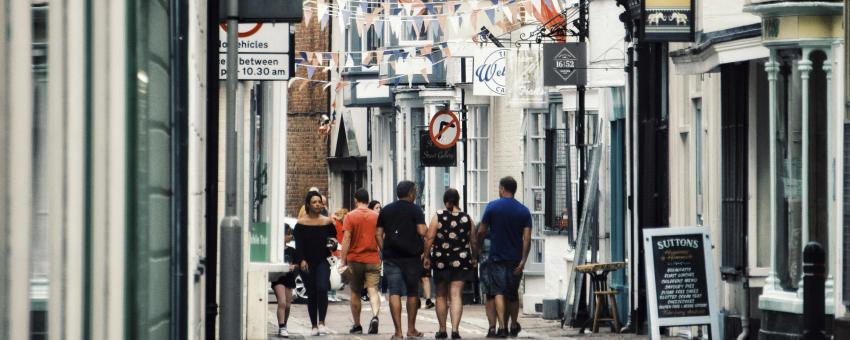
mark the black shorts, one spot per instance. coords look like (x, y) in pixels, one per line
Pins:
(502, 279)
(445, 276)
(403, 276)
(287, 281)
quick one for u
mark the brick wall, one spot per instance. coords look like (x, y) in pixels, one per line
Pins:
(307, 164)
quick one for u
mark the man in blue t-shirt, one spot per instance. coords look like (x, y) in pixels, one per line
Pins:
(509, 226)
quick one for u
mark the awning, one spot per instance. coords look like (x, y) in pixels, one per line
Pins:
(721, 47)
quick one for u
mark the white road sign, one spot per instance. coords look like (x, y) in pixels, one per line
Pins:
(257, 66)
(258, 38)
(444, 129)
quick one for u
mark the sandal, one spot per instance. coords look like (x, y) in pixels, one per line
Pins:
(418, 335)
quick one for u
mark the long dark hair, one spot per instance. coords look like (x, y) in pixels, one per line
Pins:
(451, 197)
(308, 198)
(373, 204)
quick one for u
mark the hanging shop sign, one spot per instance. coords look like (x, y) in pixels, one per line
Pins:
(490, 75)
(265, 10)
(667, 20)
(680, 279)
(264, 51)
(432, 156)
(444, 129)
(564, 64)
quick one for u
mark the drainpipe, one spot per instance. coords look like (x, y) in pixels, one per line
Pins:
(745, 314)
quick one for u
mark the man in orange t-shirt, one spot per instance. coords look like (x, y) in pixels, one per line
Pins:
(361, 253)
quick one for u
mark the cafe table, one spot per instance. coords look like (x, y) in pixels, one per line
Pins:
(604, 297)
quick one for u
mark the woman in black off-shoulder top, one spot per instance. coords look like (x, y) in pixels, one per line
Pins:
(315, 239)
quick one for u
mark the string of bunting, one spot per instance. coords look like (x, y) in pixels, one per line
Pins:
(421, 16)
(393, 80)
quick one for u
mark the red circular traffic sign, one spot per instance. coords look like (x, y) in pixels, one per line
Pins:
(444, 129)
(247, 33)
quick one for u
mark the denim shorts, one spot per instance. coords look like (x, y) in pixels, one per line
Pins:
(502, 279)
(403, 276)
(484, 278)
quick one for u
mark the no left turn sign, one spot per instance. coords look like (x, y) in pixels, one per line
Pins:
(444, 129)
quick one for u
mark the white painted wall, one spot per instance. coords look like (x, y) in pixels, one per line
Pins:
(716, 15)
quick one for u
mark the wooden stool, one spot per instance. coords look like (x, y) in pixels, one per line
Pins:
(612, 309)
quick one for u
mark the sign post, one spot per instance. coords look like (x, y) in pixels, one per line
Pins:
(680, 279)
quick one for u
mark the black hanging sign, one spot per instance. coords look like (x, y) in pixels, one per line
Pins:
(432, 156)
(680, 279)
(564, 64)
(667, 20)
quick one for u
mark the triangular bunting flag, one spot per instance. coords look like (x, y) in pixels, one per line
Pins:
(310, 71)
(473, 4)
(359, 25)
(455, 23)
(426, 50)
(335, 58)
(429, 9)
(417, 24)
(456, 7)
(424, 72)
(379, 56)
(320, 59)
(508, 15)
(395, 26)
(349, 63)
(491, 14)
(367, 58)
(495, 2)
(447, 53)
(435, 27)
(442, 20)
(379, 28)
(304, 58)
(473, 19)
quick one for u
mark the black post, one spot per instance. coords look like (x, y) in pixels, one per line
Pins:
(814, 276)
(580, 142)
(210, 263)
(463, 137)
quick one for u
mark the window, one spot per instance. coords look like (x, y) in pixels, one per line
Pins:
(417, 123)
(425, 31)
(535, 185)
(478, 127)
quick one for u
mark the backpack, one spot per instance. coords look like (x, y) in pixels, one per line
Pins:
(404, 242)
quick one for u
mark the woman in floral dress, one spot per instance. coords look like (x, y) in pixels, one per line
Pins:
(449, 242)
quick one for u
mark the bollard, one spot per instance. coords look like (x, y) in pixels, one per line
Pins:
(814, 276)
(230, 323)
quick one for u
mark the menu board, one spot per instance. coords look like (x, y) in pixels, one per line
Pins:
(680, 278)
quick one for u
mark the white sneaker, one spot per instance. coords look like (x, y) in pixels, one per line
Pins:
(315, 332)
(282, 332)
(323, 330)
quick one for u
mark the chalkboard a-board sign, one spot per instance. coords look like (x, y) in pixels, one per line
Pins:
(432, 156)
(680, 278)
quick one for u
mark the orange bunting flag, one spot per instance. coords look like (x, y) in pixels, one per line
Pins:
(424, 72)
(426, 50)
(379, 56)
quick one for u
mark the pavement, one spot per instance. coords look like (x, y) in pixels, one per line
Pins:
(473, 324)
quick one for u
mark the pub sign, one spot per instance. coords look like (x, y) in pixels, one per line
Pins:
(565, 64)
(668, 20)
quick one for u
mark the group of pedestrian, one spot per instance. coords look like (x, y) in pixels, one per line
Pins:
(396, 241)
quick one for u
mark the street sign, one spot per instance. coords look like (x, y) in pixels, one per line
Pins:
(257, 66)
(680, 279)
(564, 64)
(444, 129)
(263, 51)
(432, 156)
(257, 38)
